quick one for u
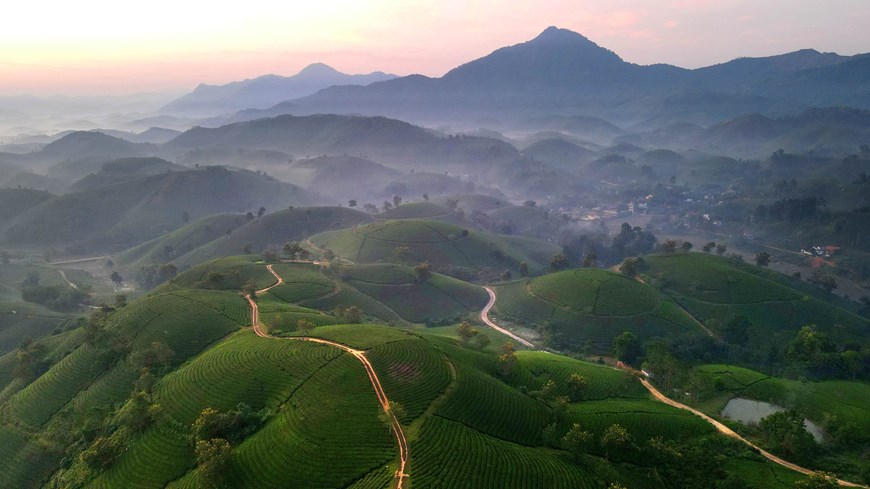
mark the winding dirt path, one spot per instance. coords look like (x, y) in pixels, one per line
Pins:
(360, 355)
(63, 276)
(484, 316)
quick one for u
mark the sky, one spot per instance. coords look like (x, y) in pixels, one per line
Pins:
(104, 47)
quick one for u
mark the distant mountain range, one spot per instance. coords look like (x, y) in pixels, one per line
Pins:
(561, 72)
(265, 91)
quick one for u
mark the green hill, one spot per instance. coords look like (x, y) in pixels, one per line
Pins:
(712, 287)
(126, 214)
(309, 409)
(445, 246)
(172, 245)
(272, 231)
(396, 286)
(589, 307)
(124, 170)
(15, 201)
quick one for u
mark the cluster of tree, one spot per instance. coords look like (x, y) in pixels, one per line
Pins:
(95, 439)
(213, 433)
(294, 251)
(150, 276)
(56, 297)
(599, 249)
(469, 335)
(348, 314)
(30, 360)
(791, 210)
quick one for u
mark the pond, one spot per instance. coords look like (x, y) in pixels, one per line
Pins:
(750, 411)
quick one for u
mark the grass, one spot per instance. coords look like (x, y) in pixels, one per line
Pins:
(712, 287)
(586, 308)
(272, 231)
(433, 299)
(441, 244)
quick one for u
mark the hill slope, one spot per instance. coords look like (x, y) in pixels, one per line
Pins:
(129, 213)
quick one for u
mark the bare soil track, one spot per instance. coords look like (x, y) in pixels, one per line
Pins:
(360, 355)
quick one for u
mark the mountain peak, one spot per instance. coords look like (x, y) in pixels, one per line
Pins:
(318, 69)
(555, 34)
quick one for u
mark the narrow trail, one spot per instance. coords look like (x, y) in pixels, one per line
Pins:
(360, 355)
(484, 316)
(63, 276)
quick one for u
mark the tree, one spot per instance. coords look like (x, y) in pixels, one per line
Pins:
(482, 341)
(506, 275)
(393, 410)
(249, 289)
(295, 251)
(248, 248)
(824, 280)
(120, 300)
(577, 442)
(818, 480)
(213, 458)
(401, 253)
(305, 326)
(530, 203)
(669, 246)
(387, 206)
(507, 360)
(349, 315)
(709, 246)
(185, 216)
(614, 439)
(686, 246)
(397, 200)
(524, 269)
(156, 356)
(627, 347)
(577, 385)
(116, 278)
(269, 255)
(721, 249)
(786, 434)
(632, 266)
(422, 272)
(466, 332)
(762, 259)
(426, 197)
(351, 203)
(590, 259)
(558, 262)
(736, 330)
(249, 216)
(261, 211)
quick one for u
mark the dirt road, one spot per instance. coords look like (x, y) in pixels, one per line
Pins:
(484, 316)
(360, 355)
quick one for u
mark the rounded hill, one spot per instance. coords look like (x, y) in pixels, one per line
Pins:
(445, 246)
(589, 307)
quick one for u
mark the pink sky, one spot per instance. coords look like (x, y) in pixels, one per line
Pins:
(95, 47)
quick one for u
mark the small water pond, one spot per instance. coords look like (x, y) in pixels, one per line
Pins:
(750, 411)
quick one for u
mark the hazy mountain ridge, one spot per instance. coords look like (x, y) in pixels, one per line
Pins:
(267, 90)
(562, 72)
